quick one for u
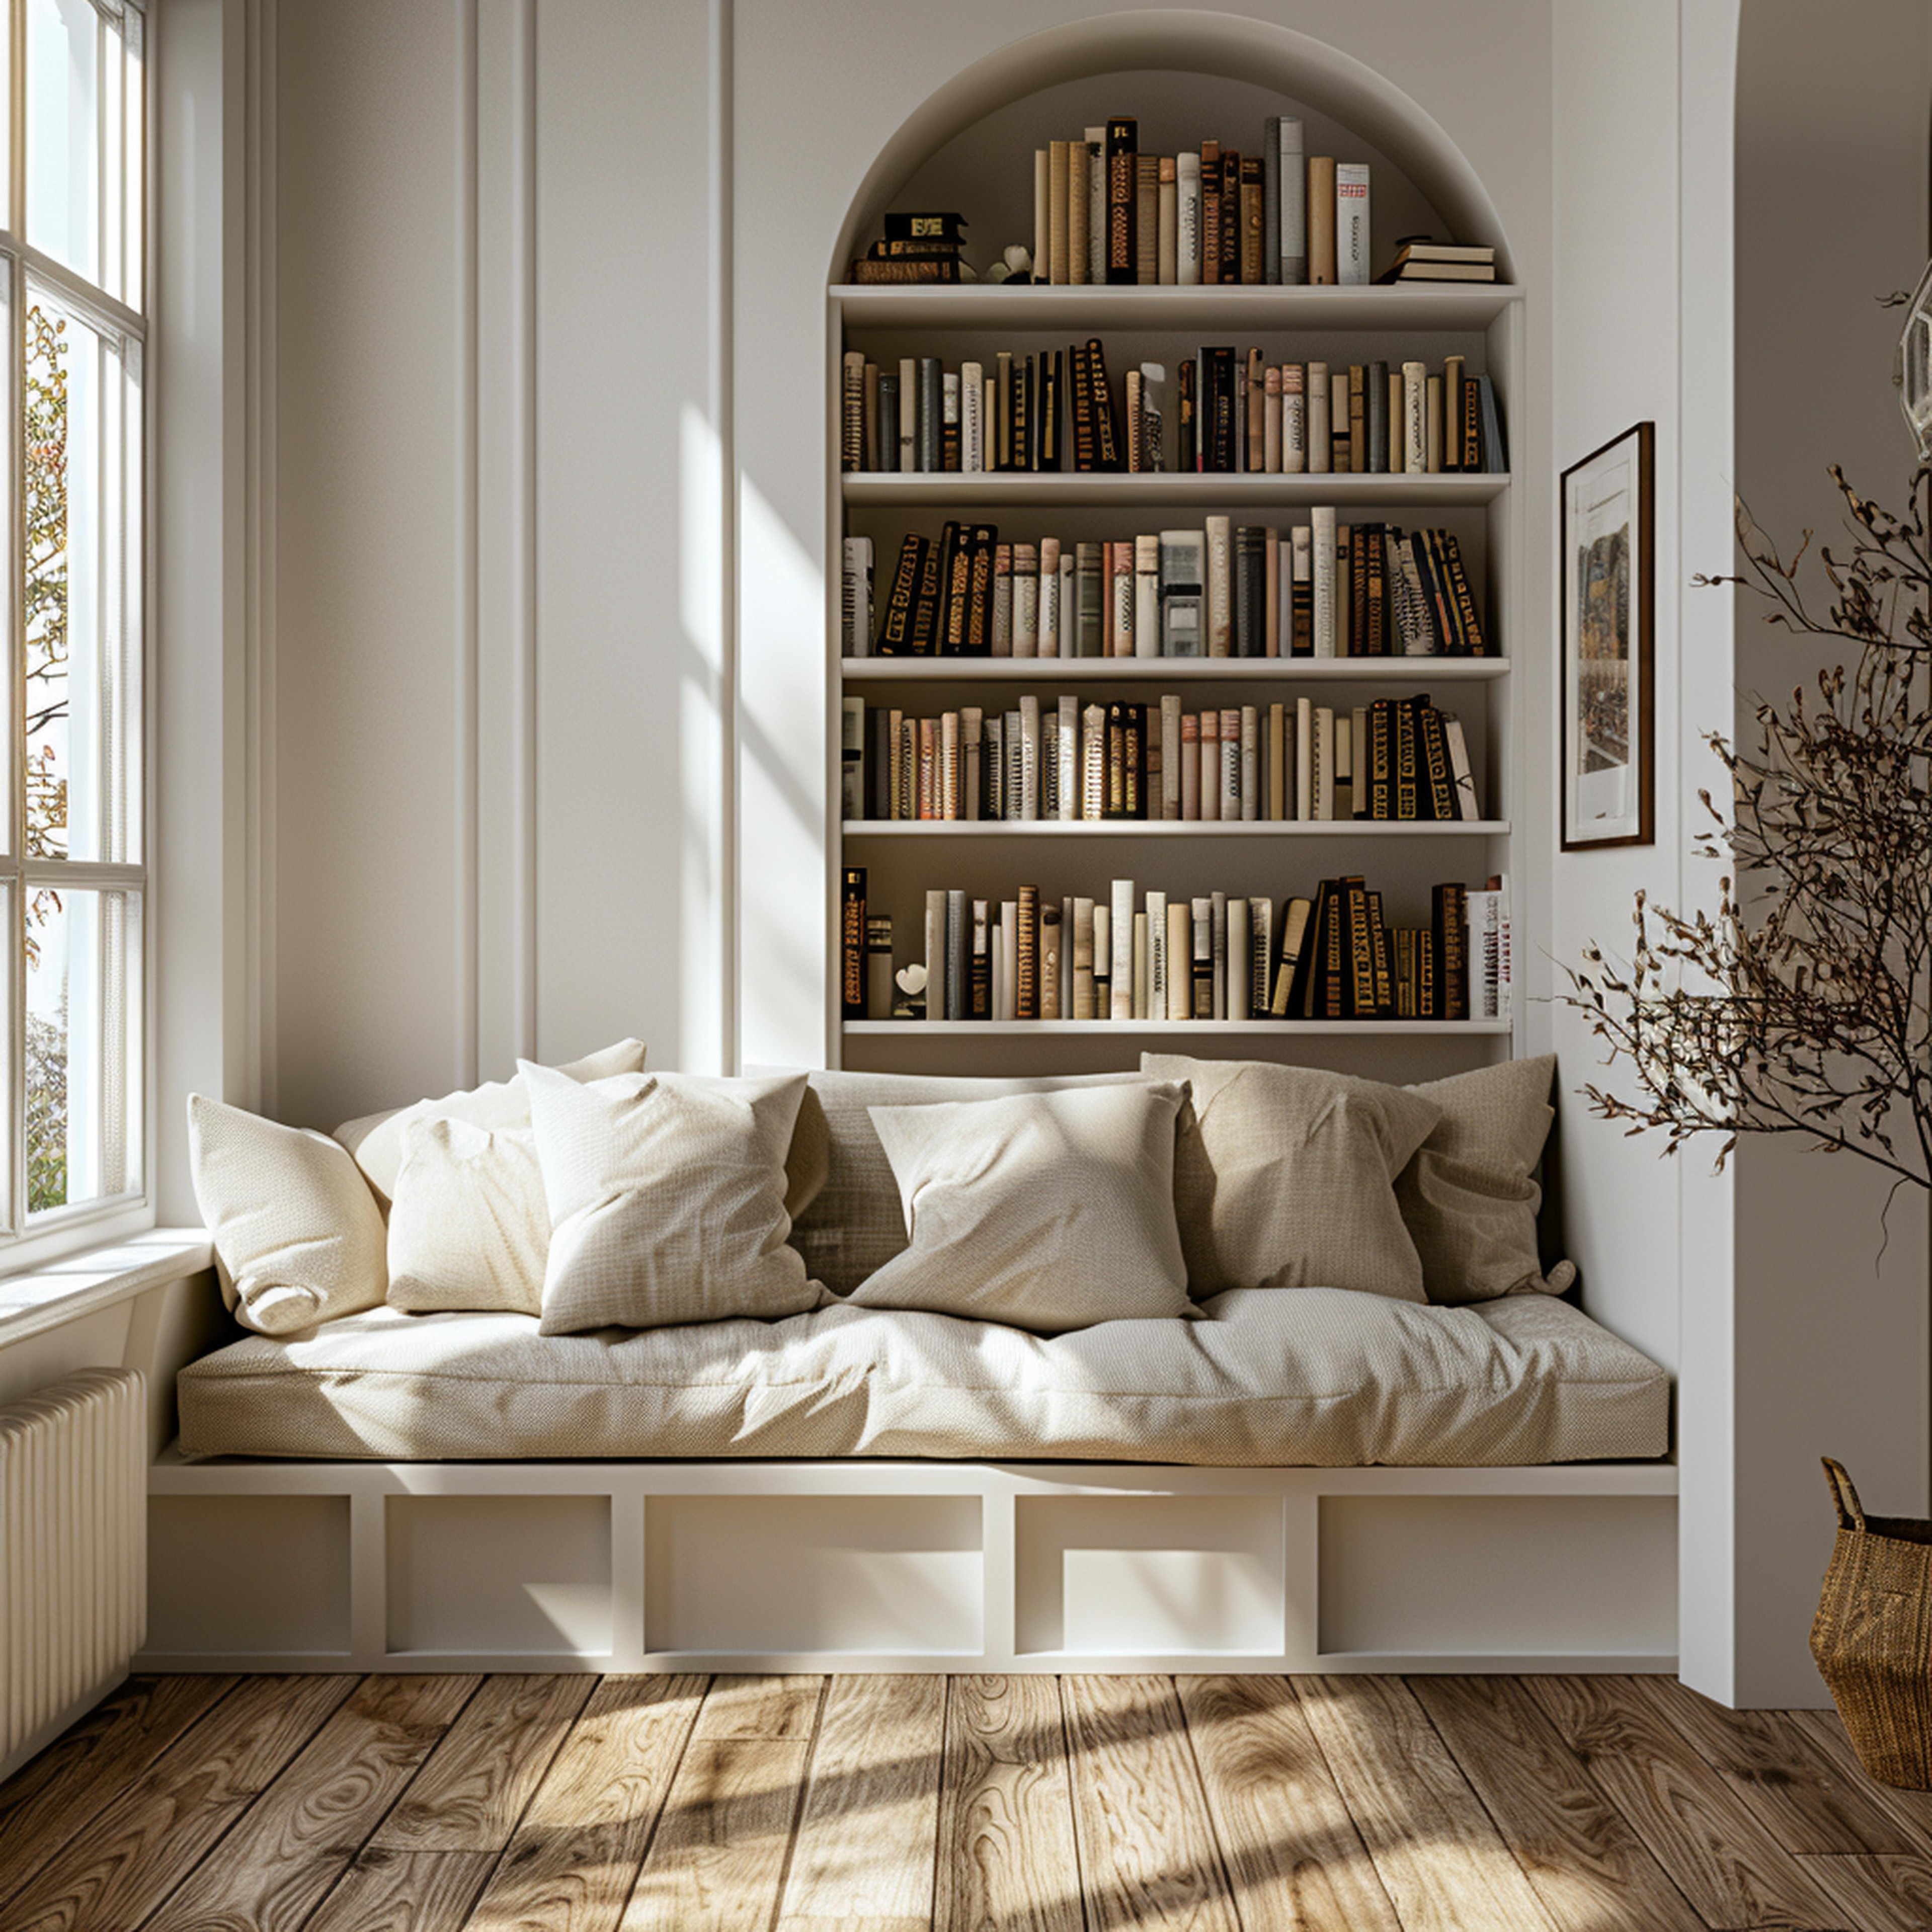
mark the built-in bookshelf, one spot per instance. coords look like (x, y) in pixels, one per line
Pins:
(906, 858)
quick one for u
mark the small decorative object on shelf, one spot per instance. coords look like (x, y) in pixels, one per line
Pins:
(920, 247)
(911, 1004)
(1015, 266)
(1913, 370)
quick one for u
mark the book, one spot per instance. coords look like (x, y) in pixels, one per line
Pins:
(1271, 199)
(852, 942)
(1146, 218)
(937, 992)
(1321, 263)
(960, 918)
(1248, 565)
(1321, 455)
(1449, 923)
(1231, 764)
(908, 405)
(1156, 1005)
(1238, 961)
(1097, 203)
(1295, 914)
(1254, 222)
(1081, 951)
(856, 608)
(1351, 224)
(1120, 929)
(852, 411)
(1026, 948)
(1147, 610)
(992, 976)
(1202, 913)
(887, 417)
(1325, 589)
(1187, 219)
(1050, 933)
(1468, 805)
(1076, 213)
(1106, 441)
(852, 757)
(1167, 230)
(1209, 162)
(1260, 955)
(1210, 765)
(1231, 215)
(1294, 204)
(1374, 397)
(1123, 140)
(1152, 417)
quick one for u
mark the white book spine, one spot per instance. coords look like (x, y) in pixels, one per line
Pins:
(1187, 243)
(935, 956)
(1142, 957)
(858, 604)
(1155, 453)
(1026, 610)
(1304, 758)
(1029, 756)
(1294, 420)
(1120, 965)
(1121, 587)
(1067, 722)
(1157, 960)
(1293, 203)
(972, 417)
(1319, 441)
(1096, 204)
(1103, 960)
(1147, 597)
(1321, 525)
(1048, 627)
(1167, 250)
(1170, 756)
(1231, 765)
(1351, 224)
(1220, 599)
(1240, 962)
(1251, 762)
(1467, 804)
(1415, 419)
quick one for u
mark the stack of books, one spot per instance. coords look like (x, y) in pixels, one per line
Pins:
(1060, 759)
(1419, 259)
(1318, 589)
(915, 248)
(1165, 958)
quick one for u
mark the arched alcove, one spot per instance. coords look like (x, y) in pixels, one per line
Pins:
(1184, 75)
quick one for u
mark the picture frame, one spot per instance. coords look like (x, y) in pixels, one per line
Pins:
(1607, 758)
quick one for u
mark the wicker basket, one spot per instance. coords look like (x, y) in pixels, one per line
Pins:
(1872, 1638)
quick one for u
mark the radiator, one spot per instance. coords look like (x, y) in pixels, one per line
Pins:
(73, 1542)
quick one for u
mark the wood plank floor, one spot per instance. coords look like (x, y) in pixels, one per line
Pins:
(1093, 1804)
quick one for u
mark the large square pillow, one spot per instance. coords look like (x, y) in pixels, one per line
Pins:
(378, 1141)
(666, 1194)
(468, 1228)
(1284, 1177)
(1048, 1211)
(1470, 1195)
(297, 1237)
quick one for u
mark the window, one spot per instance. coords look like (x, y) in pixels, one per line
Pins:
(73, 872)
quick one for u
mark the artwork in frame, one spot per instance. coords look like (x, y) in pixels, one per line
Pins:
(1608, 612)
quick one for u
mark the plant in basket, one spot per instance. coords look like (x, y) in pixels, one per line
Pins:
(1803, 1004)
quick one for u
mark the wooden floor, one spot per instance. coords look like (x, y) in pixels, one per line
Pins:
(999, 1805)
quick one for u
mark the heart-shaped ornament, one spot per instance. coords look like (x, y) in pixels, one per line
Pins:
(912, 979)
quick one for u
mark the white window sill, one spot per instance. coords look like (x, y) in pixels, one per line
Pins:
(92, 1278)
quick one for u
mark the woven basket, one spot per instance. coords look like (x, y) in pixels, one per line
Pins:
(1872, 1638)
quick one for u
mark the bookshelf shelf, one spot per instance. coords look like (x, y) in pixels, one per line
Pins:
(1172, 828)
(1092, 308)
(1175, 1029)
(1173, 670)
(935, 489)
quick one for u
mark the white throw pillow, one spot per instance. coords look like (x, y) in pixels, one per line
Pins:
(297, 1237)
(376, 1140)
(468, 1228)
(666, 1194)
(1048, 1211)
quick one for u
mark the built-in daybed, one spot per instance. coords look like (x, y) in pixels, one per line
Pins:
(1292, 1479)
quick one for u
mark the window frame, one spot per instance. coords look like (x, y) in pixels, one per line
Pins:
(27, 1239)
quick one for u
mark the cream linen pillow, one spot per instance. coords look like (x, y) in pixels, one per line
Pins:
(1470, 1196)
(376, 1140)
(468, 1228)
(1048, 1211)
(1283, 1177)
(297, 1237)
(666, 1194)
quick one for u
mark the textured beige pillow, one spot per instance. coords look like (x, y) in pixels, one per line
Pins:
(376, 1140)
(666, 1194)
(1470, 1196)
(297, 1237)
(468, 1228)
(1283, 1177)
(1047, 1211)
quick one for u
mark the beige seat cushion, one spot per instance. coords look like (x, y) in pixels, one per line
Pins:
(854, 1222)
(297, 1237)
(1322, 1377)
(1283, 1177)
(1045, 1211)
(666, 1193)
(1469, 1197)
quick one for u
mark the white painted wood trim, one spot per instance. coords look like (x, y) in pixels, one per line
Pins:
(83, 1284)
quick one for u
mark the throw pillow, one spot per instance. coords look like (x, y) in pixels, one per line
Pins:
(852, 1222)
(1470, 1195)
(376, 1140)
(1284, 1177)
(1047, 1211)
(468, 1228)
(298, 1238)
(666, 1194)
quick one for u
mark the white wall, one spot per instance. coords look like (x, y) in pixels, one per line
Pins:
(1833, 1355)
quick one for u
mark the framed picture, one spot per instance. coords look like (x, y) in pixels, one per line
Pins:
(1608, 599)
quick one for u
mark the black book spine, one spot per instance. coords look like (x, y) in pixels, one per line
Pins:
(1123, 145)
(1231, 215)
(1250, 590)
(852, 944)
(1187, 428)
(1375, 411)
(1049, 409)
(1106, 441)
(889, 421)
(931, 412)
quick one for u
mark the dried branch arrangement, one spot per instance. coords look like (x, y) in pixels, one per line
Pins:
(1803, 1005)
